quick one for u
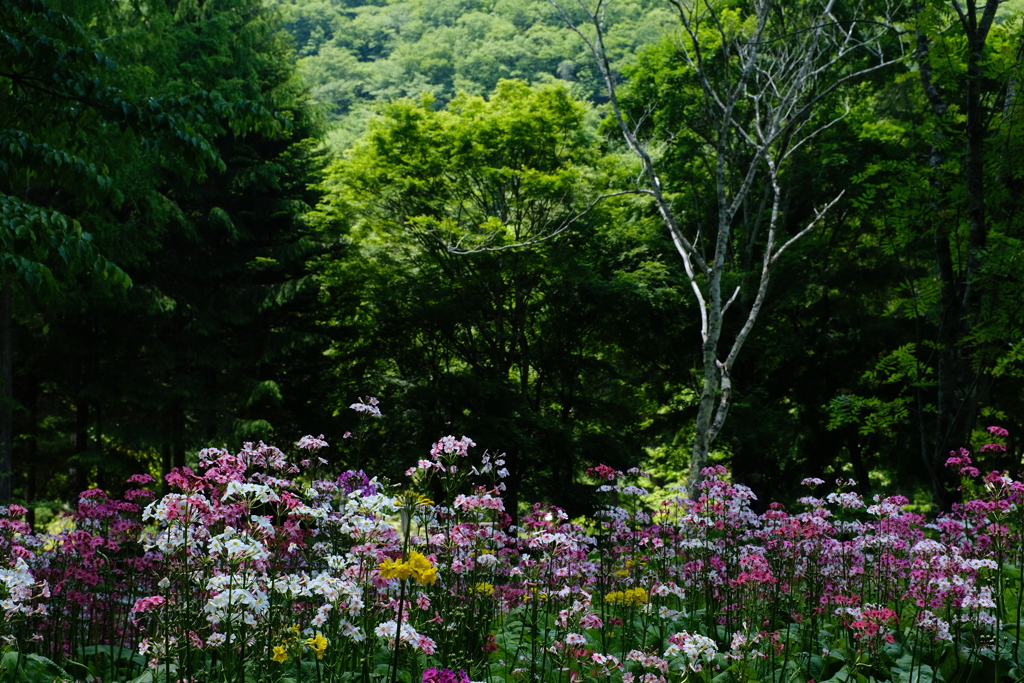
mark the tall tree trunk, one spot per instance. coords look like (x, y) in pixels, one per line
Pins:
(709, 394)
(101, 469)
(165, 467)
(949, 300)
(712, 332)
(957, 373)
(974, 163)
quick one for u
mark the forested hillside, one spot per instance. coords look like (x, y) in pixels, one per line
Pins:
(354, 55)
(785, 237)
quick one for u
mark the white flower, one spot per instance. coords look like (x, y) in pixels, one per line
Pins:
(354, 632)
(386, 629)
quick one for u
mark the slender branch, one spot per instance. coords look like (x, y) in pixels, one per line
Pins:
(597, 48)
(731, 299)
(818, 215)
(563, 226)
(702, 305)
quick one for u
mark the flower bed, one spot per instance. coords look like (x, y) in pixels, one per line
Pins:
(257, 568)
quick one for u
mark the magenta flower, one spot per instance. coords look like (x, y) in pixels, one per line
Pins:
(434, 675)
(604, 472)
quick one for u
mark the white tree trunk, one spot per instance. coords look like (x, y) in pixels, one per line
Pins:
(778, 78)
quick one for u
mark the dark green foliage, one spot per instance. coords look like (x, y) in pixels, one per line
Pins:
(197, 350)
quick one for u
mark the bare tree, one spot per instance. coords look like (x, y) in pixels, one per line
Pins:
(764, 76)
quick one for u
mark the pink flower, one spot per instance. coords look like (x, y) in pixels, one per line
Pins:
(604, 472)
(448, 445)
(148, 603)
(312, 442)
(994, 477)
(426, 644)
(369, 407)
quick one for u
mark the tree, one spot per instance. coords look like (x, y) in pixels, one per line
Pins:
(201, 346)
(951, 196)
(222, 294)
(61, 119)
(544, 353)
(356, 54)
(756, 77)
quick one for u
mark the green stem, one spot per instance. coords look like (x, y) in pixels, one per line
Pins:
(398, 632)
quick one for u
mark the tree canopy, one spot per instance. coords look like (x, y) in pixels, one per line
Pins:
(548, 227)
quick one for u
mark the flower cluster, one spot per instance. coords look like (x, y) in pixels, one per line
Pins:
(630, 596)
(694, 649)
(252, 561)
(368, 407)
(434, 675)
(417, 566)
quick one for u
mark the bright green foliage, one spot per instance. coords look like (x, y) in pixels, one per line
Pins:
(355, 54)
(499, 172)
(537, 351)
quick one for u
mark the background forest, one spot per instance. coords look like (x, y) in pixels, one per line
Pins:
(228, 220)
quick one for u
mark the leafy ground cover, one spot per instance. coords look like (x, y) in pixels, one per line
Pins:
(255, 567)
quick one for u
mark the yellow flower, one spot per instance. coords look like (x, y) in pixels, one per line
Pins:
(417, 566)
(418, 561)
(318, 644)
(395, 569)
(280, 655)
(427, 577)
(485, 588)
(422, 570)
(625, 571)
(413, 500)
(630, 596)
(636, 596)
